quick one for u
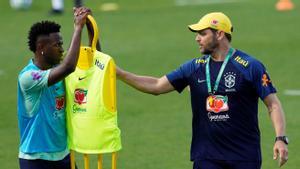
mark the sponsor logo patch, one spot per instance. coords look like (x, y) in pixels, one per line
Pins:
(198, 61)
(241, 61)
(59, 102)
(217, 103)
(99, 64)
(80, 96)
(221, 117)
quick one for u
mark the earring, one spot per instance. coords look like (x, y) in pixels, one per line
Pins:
(42, 53)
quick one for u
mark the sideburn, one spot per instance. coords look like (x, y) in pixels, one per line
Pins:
(212, 45)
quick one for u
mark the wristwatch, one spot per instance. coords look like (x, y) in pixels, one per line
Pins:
(282, 138)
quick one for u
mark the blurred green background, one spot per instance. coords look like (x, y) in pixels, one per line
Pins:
(151, 38)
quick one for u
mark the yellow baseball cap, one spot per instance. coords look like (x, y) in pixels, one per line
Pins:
(214, 20)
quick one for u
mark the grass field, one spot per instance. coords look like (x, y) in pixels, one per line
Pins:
(151, 37)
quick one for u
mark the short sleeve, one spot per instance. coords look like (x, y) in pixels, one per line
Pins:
(262, 80)
(179, 77)
(34, 79)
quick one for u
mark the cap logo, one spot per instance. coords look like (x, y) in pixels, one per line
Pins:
(214, 22)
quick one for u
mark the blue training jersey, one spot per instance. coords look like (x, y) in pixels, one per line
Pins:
(41, 112)
(233, 134)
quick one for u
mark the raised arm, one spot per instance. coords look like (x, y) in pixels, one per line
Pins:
(68, 65)
(146, 84)
(277, 116)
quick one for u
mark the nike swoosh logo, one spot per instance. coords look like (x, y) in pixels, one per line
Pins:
(201, 81)
(81, 78)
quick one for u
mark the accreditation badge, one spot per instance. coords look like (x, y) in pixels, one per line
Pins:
(217, 103)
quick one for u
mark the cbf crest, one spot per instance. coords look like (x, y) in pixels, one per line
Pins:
(230, 79)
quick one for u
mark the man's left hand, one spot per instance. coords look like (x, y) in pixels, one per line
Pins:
(280, 151)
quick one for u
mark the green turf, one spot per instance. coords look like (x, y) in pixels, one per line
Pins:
(151, 37)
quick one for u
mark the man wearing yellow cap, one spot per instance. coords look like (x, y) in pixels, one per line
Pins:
(225, 86)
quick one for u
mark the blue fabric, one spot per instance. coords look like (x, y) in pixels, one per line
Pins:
(233, 134)
(41, 112)
(44, 164)
(218, 164)
(53, 156)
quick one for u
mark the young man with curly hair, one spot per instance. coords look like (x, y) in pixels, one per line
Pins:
(41, 95)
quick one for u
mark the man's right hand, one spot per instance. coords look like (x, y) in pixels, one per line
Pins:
(80, 15)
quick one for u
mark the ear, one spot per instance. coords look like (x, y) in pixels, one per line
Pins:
(39, 46)
(41, 43)
(220, 35)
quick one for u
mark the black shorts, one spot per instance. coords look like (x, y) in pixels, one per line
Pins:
(220, 164)
(45, 164)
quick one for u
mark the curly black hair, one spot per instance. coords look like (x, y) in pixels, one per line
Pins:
(41, 28)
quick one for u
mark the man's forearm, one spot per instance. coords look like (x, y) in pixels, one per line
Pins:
(278, 119)
(73, 53)
(276, 113)
(144, 84)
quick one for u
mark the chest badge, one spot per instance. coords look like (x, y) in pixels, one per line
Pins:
(59, 102)
(230, 79)
(80, 96)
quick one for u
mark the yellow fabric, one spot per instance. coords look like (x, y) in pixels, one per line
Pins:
(214, 20)
(85, 61)
(109, 85)
(91, 106)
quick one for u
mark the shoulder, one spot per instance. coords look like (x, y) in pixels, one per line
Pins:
(245, 62)
(194, 64)
(30, 76)
(186, 69)
(102, 56)
(243, 59)
(28, 72)
(201, 60)
(103, 60)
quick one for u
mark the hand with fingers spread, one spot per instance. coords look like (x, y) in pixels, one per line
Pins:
(280, 152)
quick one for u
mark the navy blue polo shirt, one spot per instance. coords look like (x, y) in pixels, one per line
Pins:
(232, 134)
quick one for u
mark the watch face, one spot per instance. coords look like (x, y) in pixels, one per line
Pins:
(286, 140)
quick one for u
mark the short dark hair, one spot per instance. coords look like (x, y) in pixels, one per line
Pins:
(38, 29)
(228, 36)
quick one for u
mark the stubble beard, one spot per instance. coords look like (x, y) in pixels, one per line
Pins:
(211, 46)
